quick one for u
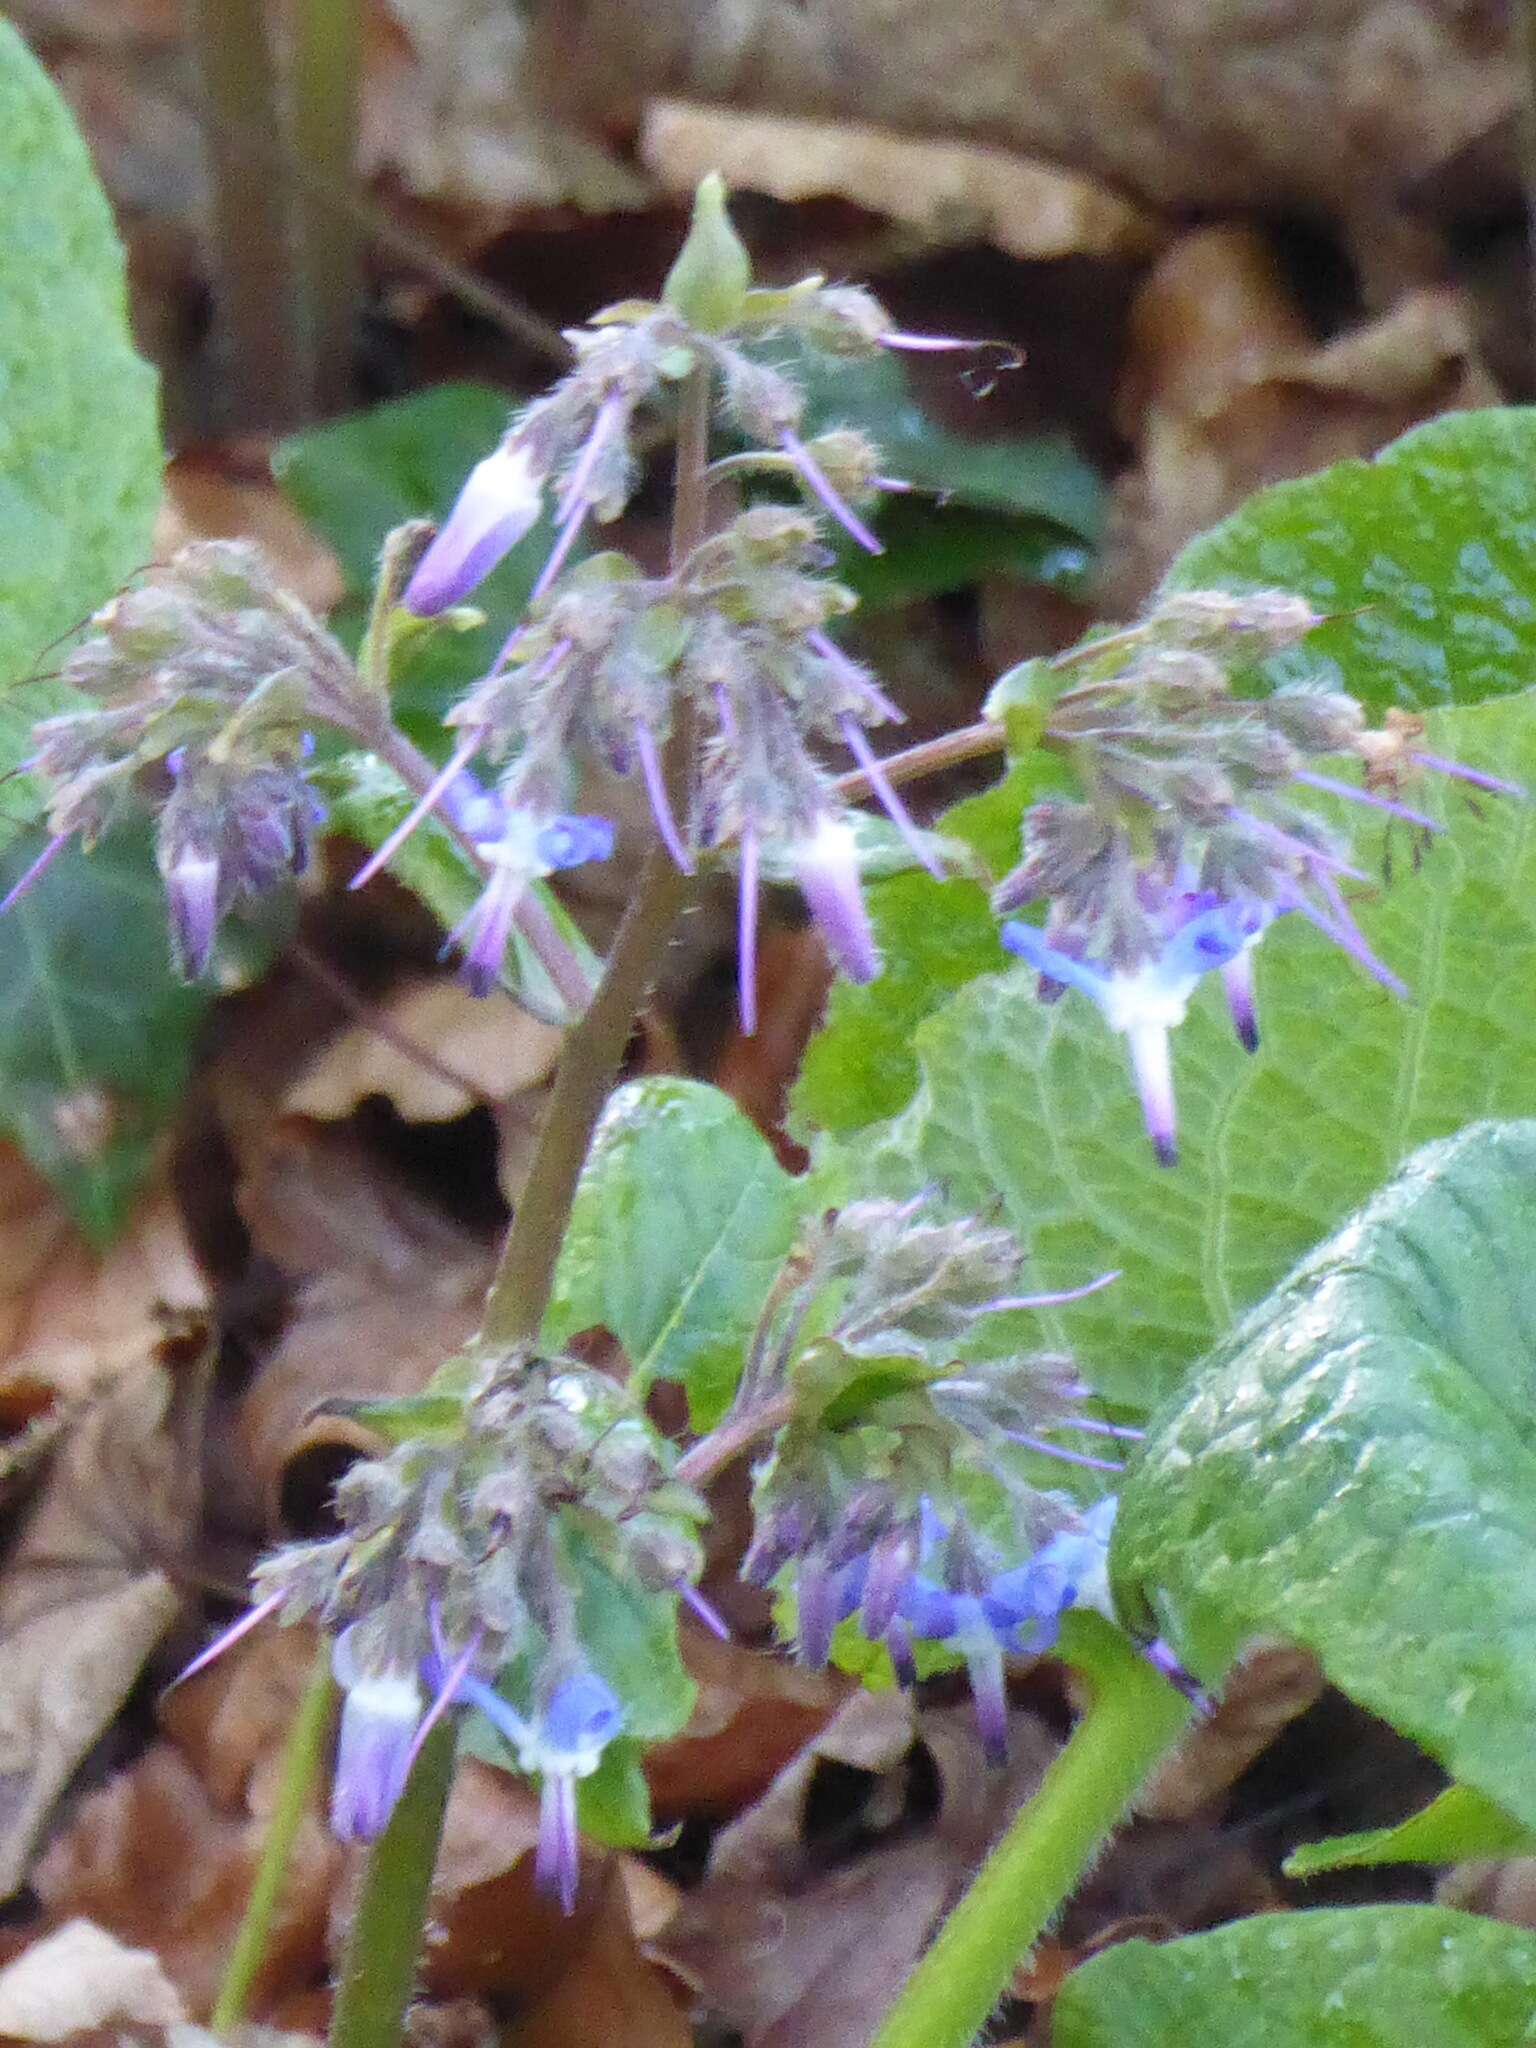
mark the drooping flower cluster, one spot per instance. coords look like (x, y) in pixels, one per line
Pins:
(1198, 825)
(205, 682)
(454, 1582)
(904, 1490)
(719, 683)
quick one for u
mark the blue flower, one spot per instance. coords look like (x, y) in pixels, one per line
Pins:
(525, 851)
(581, 1715)
(1148, 1002)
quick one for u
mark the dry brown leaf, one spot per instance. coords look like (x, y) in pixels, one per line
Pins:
(753, 1714)
(151, 1858)
(479, 1051)
(818, 1902)
(90, 1587)
(80, 1977)
(1225, 392)
(1502, 1887)
(1263, 1693)
(1312, 107)
(72, 1316)
(953, 191)
(490, 1932)
(609, 1996)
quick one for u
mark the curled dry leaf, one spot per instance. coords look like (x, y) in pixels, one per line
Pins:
(78, 1978)
(818, 1901)
(432, 1050)
(1292, 105)
(954, 191)
(1263, 1693)
(93, 1583)
(1225, 391)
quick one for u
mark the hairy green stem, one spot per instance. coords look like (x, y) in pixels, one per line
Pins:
(301, 1767)
(385, 1939)
(1135, 1717)
(252, 224)
(323, 111)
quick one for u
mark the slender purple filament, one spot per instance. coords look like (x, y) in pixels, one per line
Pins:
(746, 935)
(1008, 1301)
(880, 783)
(661, 803)
(1388, 804)
(821, 484)
(449, 773)
(44, 860)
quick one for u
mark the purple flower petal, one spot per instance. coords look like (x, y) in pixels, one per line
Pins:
(827, 869)
(1237, 980)
(192, 897)
(1152, 1064)
(499, 503)
(557, 1859)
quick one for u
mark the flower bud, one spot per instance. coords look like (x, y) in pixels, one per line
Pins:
(710, 279)
(500, 502)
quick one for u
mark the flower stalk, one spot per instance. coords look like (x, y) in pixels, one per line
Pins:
(1134, 1718)
(302, 1756)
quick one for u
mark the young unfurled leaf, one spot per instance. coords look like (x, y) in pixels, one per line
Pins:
(1359, 1977)
(681, 1219)
(1354, 1469)
(1459, 1824)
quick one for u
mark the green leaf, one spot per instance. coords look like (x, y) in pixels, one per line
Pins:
(614, 1804)
(630, 1636)
(1354, 1468)
(96, 1032)
(681, 1220)
(355, 479)
(931, 549)
(366, 800)
(1344, 1977)
(79, 428)
(1420, 556)
(1459, 1824)
(1034, 1102)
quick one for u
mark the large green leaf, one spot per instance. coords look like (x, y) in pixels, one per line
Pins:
(682, 1217)
(96, 1033)
(1361, 1977)
(1033, 1103)
(79, 429)
(1421, 558)
(1354, 1468)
